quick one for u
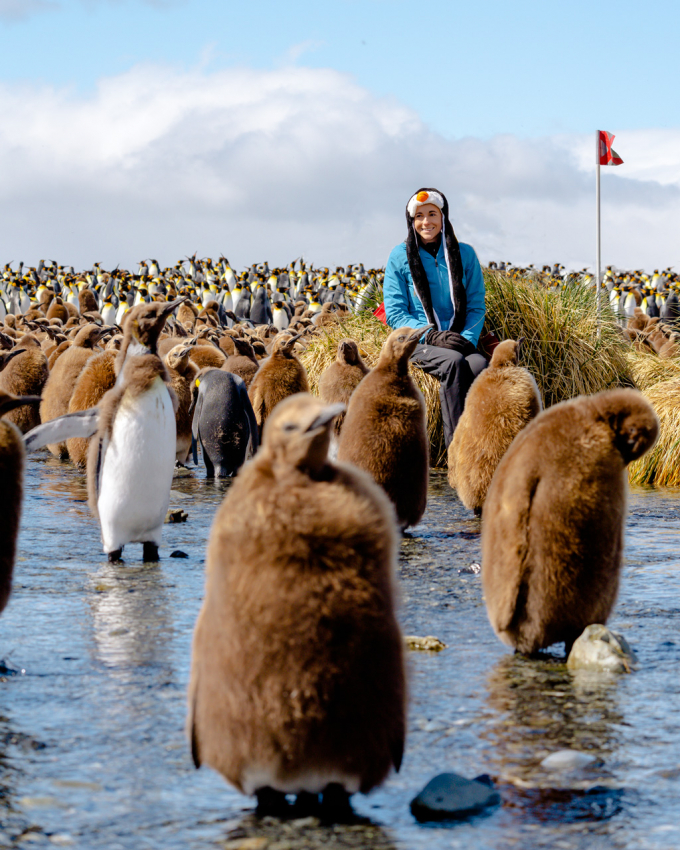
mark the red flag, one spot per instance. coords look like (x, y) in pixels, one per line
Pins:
(607, 155)
(380, 313)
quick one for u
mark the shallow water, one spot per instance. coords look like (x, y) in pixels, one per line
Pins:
(92, 750)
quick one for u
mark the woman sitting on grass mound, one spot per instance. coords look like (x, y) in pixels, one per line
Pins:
(431, 277)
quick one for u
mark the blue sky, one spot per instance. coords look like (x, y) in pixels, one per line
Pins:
(194, 100)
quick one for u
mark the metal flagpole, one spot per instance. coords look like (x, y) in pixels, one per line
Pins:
(598, 260)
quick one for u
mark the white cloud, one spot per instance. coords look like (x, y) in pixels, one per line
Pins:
(17, 10)
(273, 164)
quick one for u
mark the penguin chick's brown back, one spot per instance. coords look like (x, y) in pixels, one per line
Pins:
(25, 374)
(342, 377)
(243, 363)
(297, 676)
(501, 401)
(385, 429)
(182, 373)
(97, 378)
(552, 531)
(278, 377)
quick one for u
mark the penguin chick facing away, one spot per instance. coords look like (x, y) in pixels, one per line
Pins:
(297, 677)
(385, 429)
(182, 374)
(278, 377)
(25, 374)
(501, 401)
(95, 380)
(243, 362)
(552, 532)
(342, 377)
(223, 422)
(12, 458)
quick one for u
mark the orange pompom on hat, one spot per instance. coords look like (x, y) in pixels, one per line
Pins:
(424, 196)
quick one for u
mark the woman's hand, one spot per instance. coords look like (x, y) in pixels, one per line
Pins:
(452, 340)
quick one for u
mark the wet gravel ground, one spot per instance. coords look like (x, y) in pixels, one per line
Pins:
(92, 750)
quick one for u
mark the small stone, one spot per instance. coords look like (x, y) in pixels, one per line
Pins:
(257, 842)
(450, 796)
(567, 760)
(178, 554)
(472, 570)
(181, 472)
(62, 839)
(176, 515)
(424, 644)
(598, 648)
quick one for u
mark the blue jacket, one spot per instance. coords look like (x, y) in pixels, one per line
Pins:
(403, 307)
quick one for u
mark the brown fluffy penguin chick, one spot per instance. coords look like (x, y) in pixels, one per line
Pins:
(57, 310)
(502, 400)
(87, 301)
(12, 455)
(182, 374)
(243, 363)
(62, 380)
(97, 378)
(279, 376)
(205, 355)
(552, 532)
(342, 377)
(25, 374)
(297, 676)
(385, 429)
(143, 326)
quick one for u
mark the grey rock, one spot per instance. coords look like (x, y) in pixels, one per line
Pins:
(424, 644)
(176, 515)
(567, 760)
(450, 796)
(473, 569)
(178, 554)
(598, 648)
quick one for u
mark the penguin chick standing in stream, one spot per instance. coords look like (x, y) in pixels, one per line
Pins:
(132, 457)
(297, 675)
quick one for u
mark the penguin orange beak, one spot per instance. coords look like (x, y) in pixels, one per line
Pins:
(326, 416)
(418, 333)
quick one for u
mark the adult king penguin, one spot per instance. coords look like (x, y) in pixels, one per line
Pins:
(297, 676)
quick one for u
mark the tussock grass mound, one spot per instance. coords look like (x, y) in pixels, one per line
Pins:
(648, 369)
(661, 465)
(370, 334)
(561, 349)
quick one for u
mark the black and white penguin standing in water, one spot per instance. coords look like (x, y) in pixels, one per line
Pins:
(223, 422)
(12, 458)
(132, 457)
(297, 675)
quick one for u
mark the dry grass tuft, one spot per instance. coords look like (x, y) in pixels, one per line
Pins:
(561, 349)
(661, 465)
(648, 369)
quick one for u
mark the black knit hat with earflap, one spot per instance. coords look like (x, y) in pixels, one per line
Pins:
(453, 260)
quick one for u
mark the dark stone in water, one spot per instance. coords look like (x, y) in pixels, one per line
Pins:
(450, 796)
(178, 554)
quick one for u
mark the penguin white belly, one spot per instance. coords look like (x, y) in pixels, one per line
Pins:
(136, 476)
(313, 781)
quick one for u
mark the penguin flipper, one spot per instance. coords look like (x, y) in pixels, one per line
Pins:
(83, 423)
(250, 413)
(197, 416)
(193, 736)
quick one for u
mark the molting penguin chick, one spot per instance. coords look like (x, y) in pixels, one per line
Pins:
(25, 373)
(182, 374)
(342, 377)
(385, 430)
(297, 676)
(243, 362)
(552, 532)
(500, 402)
(278, 377)
(12, 457)
(224, 422)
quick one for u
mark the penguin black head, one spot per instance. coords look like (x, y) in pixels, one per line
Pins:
(89, 336)
(400, 345)
(297, 434)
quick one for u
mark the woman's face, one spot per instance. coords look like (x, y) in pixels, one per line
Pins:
(428, 222)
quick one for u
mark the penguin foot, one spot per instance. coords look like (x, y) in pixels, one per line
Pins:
(306, 804)
(336, 806)
(150, 553)
(271, 803)
(116, 557)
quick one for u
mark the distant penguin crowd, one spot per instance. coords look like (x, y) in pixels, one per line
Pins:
(298, 686)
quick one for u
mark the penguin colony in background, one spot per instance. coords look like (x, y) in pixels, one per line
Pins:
(297, 680)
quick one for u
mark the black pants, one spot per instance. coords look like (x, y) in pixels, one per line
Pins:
(455, 373)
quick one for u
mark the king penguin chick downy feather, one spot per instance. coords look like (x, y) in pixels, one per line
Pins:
(297, 677)
(552, 530)
(279, 376)
(502, 400)
(342, 377)
(385, 430)
(12, 458)
(25, 374)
